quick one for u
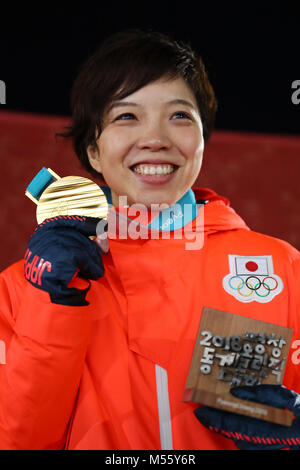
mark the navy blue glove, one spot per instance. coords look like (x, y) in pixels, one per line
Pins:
(58, 251)
(251, 433)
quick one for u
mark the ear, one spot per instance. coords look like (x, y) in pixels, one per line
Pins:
(94, 157)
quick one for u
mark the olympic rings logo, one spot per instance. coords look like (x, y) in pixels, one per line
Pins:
(252, 278)
(247, 288)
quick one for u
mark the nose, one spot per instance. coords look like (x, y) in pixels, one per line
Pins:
(154, 139)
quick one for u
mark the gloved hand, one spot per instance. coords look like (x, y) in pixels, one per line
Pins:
(58, 251)
(251, 433)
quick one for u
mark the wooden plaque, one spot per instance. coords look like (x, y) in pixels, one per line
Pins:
(233, 350)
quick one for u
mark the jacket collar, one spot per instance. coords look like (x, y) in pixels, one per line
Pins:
(171, 218)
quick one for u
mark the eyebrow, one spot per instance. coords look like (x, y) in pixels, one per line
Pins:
(181, 101)
(120, 104)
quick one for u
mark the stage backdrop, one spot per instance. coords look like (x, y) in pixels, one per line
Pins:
(259, 174)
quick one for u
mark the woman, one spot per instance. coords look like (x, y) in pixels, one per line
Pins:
(99, 350)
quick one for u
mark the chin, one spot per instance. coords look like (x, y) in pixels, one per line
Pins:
(148, 198)
(156, 201)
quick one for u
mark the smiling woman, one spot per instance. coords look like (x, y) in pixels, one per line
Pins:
(99, 346)
(152, 152)
(126, 63)
(142, 109)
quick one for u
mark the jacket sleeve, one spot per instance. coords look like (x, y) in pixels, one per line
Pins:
(291, 312)
(43, 348)
(295, 323)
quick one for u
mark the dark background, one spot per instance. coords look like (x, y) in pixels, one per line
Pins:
(251, 51)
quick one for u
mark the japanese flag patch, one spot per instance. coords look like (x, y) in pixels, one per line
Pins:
(252, 278)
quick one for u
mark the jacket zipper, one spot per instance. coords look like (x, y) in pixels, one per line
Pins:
(163, 403)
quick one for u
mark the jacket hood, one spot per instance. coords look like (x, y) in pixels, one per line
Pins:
(218, 214)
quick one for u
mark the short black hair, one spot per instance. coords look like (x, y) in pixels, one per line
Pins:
(124, 63)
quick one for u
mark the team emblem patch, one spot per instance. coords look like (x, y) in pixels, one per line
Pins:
(252, 278)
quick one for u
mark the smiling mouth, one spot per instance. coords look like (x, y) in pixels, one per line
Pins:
(154, 169)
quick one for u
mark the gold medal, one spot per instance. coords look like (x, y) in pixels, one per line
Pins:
(70, 195)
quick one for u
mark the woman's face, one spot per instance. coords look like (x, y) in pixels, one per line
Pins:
(151, 146)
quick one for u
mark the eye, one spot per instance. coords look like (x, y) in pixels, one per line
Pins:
(125, 117)
(182, 115)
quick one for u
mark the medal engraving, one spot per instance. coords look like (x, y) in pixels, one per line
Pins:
(70, 195)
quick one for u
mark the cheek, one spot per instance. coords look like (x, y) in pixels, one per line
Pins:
(113, 147)
(191, 146)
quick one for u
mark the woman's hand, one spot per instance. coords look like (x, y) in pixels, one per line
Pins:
(251, 433)
(58, 251)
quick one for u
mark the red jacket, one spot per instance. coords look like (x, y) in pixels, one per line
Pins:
(111, 375)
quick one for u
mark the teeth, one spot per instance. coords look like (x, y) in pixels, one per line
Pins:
(147, 169)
